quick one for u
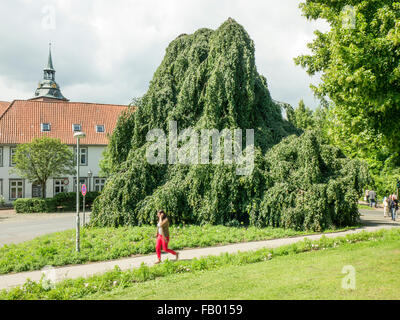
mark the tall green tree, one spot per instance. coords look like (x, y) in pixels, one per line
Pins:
(209, 80)
(303, 117)
(43, 158)
(359, 59)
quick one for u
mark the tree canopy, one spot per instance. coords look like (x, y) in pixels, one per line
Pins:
(209, 80)
(359, 59)
(43, 158)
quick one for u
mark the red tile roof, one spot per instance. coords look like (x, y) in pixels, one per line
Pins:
(21, 121)
(3, 106)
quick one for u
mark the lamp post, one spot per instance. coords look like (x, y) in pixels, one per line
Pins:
(89, 174)
(78, 136)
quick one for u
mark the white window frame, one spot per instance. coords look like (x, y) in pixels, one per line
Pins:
(42, 127)
(98, 185)
(59, 183)
(22, 186)
(85, 182)
(86, 154)
(74, 129)
(12, 153)
(100, 126)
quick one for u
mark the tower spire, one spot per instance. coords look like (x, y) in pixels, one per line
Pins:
(50, 60)
(48, 87)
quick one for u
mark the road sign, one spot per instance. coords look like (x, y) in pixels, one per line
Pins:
(83, 190)
(66, 181)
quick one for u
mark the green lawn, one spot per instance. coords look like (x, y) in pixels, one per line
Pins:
(101, 244)
(364, 206)
(310, 275)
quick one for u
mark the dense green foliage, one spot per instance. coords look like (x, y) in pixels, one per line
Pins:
(302, 117)
(311, 186)
(34, 205)
(208, 80)
(67, 200)
(63, 201)
(359, 58)
(43, 158)
(70, 289)
(359, 62)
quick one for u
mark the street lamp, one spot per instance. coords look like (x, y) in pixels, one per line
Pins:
(89, 174)
(78, 136)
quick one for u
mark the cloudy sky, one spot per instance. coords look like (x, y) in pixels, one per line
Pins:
(107, 51)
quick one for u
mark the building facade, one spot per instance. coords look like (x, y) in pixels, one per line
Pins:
(50, 114)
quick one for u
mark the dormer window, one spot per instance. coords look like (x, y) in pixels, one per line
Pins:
(100, 128)
(45, 127)
(76, 127)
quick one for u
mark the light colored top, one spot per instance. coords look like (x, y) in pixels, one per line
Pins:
(159, 228)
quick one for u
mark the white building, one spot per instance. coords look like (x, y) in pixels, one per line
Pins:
(50, 114)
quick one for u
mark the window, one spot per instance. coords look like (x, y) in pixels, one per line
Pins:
(36, 190)
(76, 127)
(100, 128)
(1, 187)
(16, 189)
(99, 184)
(12, 154)
(83, 156)
(1, 156)
(60, 185)
(81, 182)
(45, 127)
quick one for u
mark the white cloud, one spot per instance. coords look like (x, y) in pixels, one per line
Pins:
(107, 51)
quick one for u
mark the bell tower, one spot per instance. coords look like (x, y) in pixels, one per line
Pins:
(48, 87)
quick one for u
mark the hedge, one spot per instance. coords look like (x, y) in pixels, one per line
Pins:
(63, 201)
(67, 200)
(34, 205)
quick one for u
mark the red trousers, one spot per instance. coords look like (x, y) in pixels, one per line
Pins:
(164, 244)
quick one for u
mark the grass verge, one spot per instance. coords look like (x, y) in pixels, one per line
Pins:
(312, 275)
(102, 244)
(364, 207)
(98, 286)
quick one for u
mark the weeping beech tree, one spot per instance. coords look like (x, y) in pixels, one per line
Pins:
(209, 80)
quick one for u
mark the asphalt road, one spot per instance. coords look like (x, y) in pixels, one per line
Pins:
(15, 228)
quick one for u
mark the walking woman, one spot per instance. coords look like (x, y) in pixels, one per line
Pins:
(385, 207)
(394, 206)
(163, 236)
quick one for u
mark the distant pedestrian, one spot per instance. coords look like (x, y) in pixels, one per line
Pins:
(366, 196)
(372, 198)
(394, 206)
(163, 236)
(385, 207)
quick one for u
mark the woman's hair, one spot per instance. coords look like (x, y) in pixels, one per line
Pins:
(164, 214)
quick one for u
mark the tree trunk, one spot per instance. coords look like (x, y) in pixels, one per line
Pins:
(43, 190)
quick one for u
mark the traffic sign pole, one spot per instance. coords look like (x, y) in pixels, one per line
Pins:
(84, 190)
(77, 198)
(84, 197)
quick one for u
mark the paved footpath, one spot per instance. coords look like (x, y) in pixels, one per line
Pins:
(372, 219)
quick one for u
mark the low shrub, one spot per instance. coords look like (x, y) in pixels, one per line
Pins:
(67, 200)
(34, 205)
(63, 201)
(2, 201)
